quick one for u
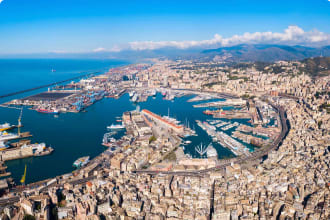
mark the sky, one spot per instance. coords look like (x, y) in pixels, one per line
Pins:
(79, 26)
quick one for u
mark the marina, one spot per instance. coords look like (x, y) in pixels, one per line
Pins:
(98, 97)
(101, 115)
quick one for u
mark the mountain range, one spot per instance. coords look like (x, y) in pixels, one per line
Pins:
(264, 53)
(237, 53)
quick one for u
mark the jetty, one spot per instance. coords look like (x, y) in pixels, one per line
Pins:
(47, 85)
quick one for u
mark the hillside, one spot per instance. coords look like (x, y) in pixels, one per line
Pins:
(263, 53)
(318, 66)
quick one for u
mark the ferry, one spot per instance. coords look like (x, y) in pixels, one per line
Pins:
(80, 162)
(211, 151)
(5, 126)
(4, 136)
(48, 111)
(116, 127)
(3, 146)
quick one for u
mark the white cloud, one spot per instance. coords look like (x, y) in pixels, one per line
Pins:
(100, 49)
(292, 35)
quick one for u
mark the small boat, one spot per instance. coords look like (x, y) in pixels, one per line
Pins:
(187, 142)
(80, 162)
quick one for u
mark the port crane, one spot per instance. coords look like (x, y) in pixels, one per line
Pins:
(19, 125)
(201, 149)
(23, 177)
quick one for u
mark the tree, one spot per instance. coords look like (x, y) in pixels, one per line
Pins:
(152, 139)
(29, 217)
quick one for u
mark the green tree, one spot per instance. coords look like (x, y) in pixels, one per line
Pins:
(29, 217)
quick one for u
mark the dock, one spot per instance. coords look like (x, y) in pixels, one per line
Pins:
(3, 170)
(44, 86)
(23, 152)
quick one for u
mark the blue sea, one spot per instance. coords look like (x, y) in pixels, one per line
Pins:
(74, 135)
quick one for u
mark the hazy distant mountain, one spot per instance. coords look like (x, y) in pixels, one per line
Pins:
(265, 53)
(238, 53)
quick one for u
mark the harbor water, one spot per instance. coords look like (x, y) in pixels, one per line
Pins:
(73, 135)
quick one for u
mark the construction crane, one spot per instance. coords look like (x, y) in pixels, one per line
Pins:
(24, 176)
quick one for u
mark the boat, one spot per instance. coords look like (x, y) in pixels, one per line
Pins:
(80, 162)
(5, 126)
(211, 151)
(4, 136)
(48, 111)
(108, 140)
(3, 146)
(131, 94)
(153, 92)
(53, 70)
(135, 97)
(116, 127)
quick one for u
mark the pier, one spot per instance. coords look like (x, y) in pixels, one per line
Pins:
(47, 85)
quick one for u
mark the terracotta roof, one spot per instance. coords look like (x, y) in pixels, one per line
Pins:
(161, 119)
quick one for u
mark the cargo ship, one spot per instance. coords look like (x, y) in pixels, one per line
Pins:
(5, 126)
(47, 111)
(80, 162)
(3, 146)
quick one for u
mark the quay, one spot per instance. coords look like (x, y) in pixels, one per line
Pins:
(24, 152)
(47, 85)
(228, 102)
